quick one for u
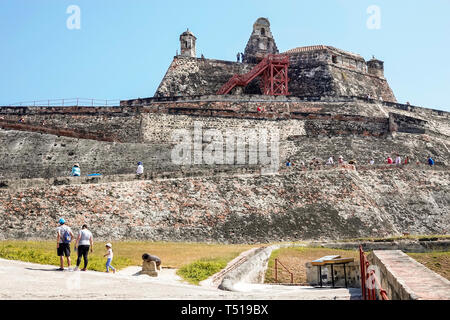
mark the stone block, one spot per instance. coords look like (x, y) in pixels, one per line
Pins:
(149, 268)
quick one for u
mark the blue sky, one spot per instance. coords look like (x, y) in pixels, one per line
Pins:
(123, 48)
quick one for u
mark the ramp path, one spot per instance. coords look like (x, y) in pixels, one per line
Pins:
(29, 281)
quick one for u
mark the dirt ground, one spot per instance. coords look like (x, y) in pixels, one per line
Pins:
(294, 259)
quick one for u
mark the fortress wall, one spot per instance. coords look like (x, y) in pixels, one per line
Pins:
(32, 155)
(119, 124)
(312, 74)
(188, 76)
(305, 133)
(294, 205)
(354, 83)
(309, 77)
(364, 148)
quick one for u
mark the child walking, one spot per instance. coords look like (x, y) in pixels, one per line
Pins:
(109, 255)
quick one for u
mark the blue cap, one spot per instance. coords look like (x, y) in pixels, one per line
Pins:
(139, 162)
(62, 221)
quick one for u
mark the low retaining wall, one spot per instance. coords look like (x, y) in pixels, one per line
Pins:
(404, 278)
(253, 270)
(403, 245)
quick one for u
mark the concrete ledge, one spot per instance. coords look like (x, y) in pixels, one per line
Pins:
(404, 278)
(404, 245)
(251, 271)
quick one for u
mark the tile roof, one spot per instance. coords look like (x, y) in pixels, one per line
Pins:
(322, 47)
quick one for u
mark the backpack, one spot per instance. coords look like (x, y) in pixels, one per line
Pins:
(66, 236)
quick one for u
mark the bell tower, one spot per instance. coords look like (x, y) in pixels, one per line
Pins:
(261, 42)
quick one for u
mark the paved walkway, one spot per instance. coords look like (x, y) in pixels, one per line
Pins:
(23, 280)
(417, 281)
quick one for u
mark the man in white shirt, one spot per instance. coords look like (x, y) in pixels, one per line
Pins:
(82, 245)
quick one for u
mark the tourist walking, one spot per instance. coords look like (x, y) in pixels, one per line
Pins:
(430, 161)
(389, 160)
(109, 256)
(64, 237)
(83, 243)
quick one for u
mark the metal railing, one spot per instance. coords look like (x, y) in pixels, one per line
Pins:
(276, 271)
(68, 102)
(370, 285)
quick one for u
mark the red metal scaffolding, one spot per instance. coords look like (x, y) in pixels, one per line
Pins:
(274, 72)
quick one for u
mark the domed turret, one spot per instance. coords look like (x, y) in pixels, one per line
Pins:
(376, 67)
(187, 44)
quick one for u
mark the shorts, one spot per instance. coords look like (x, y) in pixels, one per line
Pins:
(63, 250)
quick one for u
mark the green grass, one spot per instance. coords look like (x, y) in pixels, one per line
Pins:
(201, 269)
(196, 261)
(30, 253)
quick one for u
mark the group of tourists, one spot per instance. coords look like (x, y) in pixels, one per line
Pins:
(331, 162)
(83, 245)
(398, 160)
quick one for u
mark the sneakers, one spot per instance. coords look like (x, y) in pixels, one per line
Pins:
(76, 268)
(84, 269)
(60, 269)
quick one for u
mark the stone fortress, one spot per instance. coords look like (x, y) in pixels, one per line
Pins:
(338, 104)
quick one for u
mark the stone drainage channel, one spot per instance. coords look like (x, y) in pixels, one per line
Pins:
(246, 274)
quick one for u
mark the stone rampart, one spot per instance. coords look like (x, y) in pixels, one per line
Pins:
(290, 206)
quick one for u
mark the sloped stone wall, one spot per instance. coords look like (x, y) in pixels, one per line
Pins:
(290, 206)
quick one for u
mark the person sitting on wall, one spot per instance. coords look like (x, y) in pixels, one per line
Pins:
(140, 169)
(288, 163)
(389, 160)
(76, 171)
(341, 160)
